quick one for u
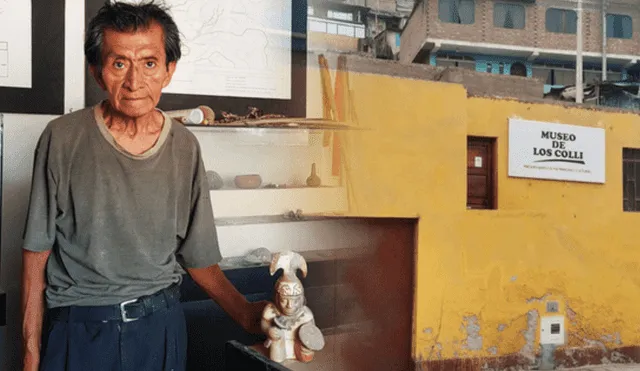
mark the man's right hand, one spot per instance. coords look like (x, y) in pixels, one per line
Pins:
(31, 361)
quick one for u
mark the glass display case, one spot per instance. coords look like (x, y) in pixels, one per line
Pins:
(272, 174)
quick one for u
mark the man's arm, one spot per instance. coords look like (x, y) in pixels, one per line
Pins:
(213, 281)
(33, 286)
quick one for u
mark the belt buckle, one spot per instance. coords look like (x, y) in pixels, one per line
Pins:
(123, 311)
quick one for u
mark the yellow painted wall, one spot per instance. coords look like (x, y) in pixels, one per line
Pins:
(489, 268)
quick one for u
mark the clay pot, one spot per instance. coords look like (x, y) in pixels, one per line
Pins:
(249, 181)
(313, 180)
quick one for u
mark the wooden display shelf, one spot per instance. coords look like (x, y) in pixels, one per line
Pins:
(262, 202)
(280, 123)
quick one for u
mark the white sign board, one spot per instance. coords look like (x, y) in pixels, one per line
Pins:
(544, 150)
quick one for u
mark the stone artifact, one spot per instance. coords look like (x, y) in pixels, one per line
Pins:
(214, 179)
(288, 322)
(260, 255)
(313, 180)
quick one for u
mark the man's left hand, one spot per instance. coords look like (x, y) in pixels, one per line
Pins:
(253, 316)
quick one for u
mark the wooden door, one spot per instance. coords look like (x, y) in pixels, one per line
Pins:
(480, 173)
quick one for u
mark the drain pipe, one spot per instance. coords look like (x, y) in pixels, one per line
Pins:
(604, 40)
(579, 83)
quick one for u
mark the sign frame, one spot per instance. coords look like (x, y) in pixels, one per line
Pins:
(555, 151)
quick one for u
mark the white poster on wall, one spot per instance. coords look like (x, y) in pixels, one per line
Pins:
(233, 48)
(543, 150)
(15, 43)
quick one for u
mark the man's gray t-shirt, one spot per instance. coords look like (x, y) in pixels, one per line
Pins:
(119, 226)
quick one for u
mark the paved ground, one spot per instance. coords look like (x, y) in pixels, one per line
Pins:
(606, 368)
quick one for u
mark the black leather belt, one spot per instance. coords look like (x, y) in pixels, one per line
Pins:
(127, 311)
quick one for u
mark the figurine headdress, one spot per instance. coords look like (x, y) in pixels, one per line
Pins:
(288, 284)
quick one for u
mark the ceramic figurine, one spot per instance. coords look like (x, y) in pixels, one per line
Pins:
(313, 180)
(288, 322)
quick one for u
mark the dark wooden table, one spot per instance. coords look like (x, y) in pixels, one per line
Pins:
(239, 357)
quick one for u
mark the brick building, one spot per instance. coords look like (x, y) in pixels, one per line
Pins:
(525, 37)
(356, 25)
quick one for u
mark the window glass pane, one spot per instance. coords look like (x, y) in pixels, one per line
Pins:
(542, 73)
(456, 11)
(628, 171)
(561, 20)
(571, 21)
(332, 28)
(468, 65)
(343, 16)
(614, 76)
(627, 27)
(554, 20)
(309, 10)
(467, 11)
(592, 76)
(619, 26)
(610, 18)
(565, 77)
(360, 32)
(346, 31)
(443, 10)
(443, 62)
(508, 16)
(317, 26)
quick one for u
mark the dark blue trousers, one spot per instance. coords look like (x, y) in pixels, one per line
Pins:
(156, 342)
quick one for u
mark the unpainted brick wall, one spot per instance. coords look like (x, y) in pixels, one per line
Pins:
(485, 84)
(534, 34)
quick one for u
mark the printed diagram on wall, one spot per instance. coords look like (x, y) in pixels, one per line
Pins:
(233, 48)
(15, 43)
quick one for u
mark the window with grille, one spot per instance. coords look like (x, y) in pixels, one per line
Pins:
(508, 16)
(561, 20)
(619, 26)
(342, 16)
(631, 179)
(457, 11)
(456, 61)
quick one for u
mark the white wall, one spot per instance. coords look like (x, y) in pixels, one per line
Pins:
(20, 134)
(279, 163)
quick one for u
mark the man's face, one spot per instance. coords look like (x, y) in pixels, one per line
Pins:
(290, 305)
(134, 70)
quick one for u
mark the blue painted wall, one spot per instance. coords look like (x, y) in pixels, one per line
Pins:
(483, 60)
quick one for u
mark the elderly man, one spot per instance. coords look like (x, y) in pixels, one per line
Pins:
(119, 205)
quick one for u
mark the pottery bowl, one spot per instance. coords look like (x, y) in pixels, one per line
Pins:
(249, 181)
